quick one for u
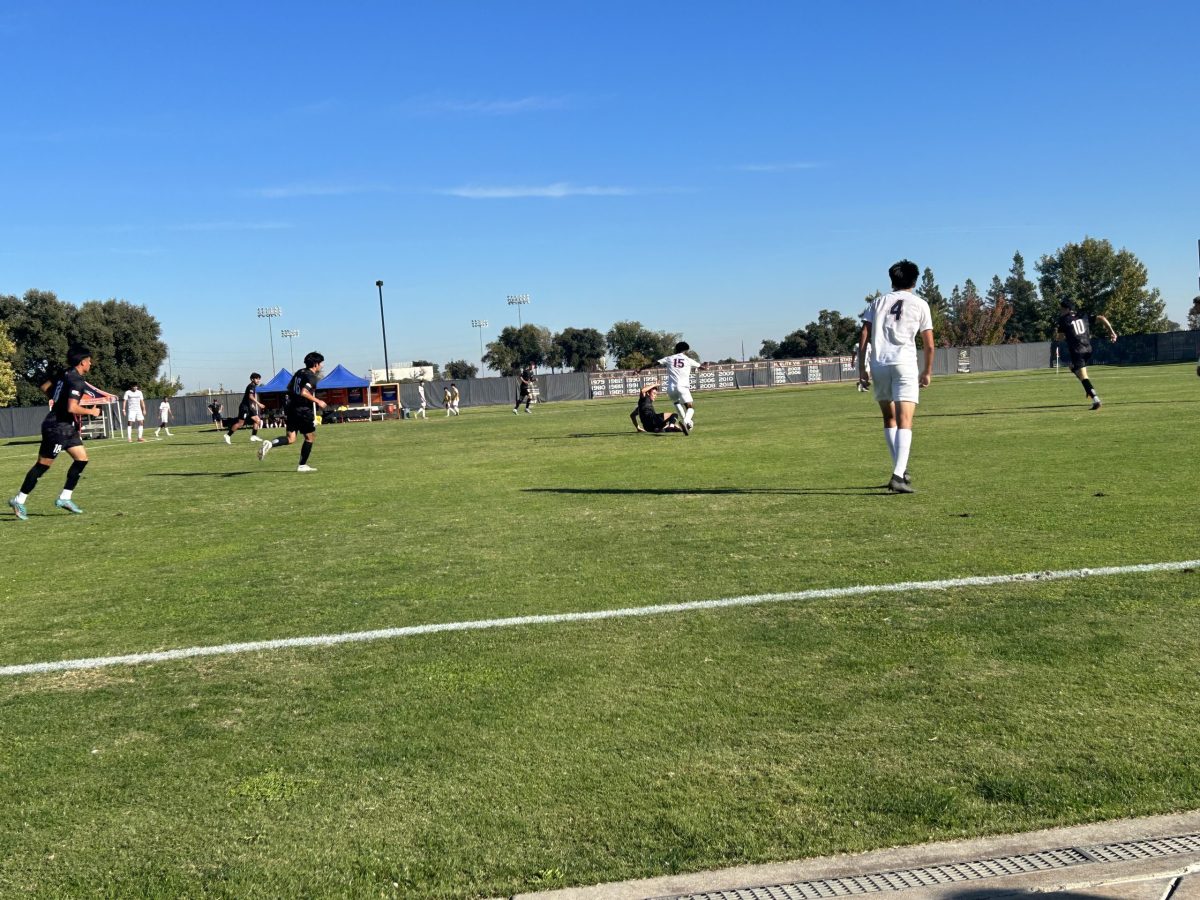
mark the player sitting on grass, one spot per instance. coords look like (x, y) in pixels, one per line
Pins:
(651, 421)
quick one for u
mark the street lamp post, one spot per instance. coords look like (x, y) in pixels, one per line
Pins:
(480, 324)
(518, 300)
(290, 333)
(383, 327)
(269, 313)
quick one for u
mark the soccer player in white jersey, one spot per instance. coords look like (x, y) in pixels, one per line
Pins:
(891, 325)
(679, 383)
(164, 418)
(135, 413)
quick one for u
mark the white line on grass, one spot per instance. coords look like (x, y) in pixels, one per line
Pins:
(326, 640)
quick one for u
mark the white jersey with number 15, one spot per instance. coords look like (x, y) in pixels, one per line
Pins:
(679, 370)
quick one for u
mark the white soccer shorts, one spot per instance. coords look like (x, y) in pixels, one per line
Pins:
(898, 384)
(134, 417)
(683, 395)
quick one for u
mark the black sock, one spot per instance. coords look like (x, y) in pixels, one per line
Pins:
(304, 451)
(1087, 387)
(73, 474)
(253, 431)
(32, 476)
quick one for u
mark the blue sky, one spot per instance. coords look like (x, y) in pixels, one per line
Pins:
(723, 170)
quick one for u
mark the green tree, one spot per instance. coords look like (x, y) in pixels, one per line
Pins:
(582, 348)
(939, 307)
(1193, 320)
(515, 348)
(832, 334)
(8, 375)
(769, 349)
(552, 356)
(126, 342)
(975, 321)
(636, 347)
(39, 324)
(1100, 280)
(458, 369)
(1031, 321)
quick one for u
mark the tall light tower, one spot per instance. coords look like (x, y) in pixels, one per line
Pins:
(290, 333)
(269, 313)
(383, 327)
(480, 324)
(518, 300)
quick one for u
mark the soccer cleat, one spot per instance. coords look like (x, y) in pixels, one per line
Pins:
(227, 439)
(1095, 402)
(515, 411)
(141, 440)
(69, 506)
(18, 509)
(254, 439)
(686, 427)
(529, 411)
(263, 449)
(305, 468)
(898, 485)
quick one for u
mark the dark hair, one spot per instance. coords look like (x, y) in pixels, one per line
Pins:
(904, 275)
(77, 354)
(1065, 303)
(254, 375)
(311, 359)
(682, 347)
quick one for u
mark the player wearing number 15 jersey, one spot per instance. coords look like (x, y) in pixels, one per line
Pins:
(892, 324)
(1074, 327)
(679, 383)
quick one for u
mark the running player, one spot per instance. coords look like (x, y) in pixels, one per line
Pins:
(248, 410)
(679, 379)
(1075, 328)
(301, 395)
(164, 418)
(60, 431)
(891, 325)
(135, 413)
(525, 391)
(651, 421)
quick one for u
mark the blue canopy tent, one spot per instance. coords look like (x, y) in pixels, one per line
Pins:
(278, 384)
(357, 390)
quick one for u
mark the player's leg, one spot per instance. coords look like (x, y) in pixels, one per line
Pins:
(129, 430)
(141, 429)
(255, 424)
(45, 460)
(906, 390)
(881, 384)
(79, 461)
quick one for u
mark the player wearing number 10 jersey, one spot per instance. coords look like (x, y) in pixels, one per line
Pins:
(891, 325)
(1074, 327)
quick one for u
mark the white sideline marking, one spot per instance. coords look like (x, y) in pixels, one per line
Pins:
(327, 640)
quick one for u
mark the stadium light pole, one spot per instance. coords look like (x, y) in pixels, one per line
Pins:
(269, 313)
(480, 324)
(387, 369)
(290, 333)
(518, 300)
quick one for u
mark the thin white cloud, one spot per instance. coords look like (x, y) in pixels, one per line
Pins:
(289, 191)
(486, 107)
(779, 167)
(554, 191)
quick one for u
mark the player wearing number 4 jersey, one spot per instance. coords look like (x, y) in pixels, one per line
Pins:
(891, 326)
(1074, 327)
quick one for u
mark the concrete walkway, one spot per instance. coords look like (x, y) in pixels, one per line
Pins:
(1130, 859)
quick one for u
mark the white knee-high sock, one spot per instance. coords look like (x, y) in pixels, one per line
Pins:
(140, 427)
(889, 435)
(903, 447)
(129, 432)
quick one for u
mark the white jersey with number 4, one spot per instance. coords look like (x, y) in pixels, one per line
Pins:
(896, 319)
(679, 371)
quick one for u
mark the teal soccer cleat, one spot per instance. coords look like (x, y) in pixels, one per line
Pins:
(19, 509)
(69, 506)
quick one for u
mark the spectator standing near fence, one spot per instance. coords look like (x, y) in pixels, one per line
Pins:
(135, 413)
(164, 418)
(1074, 326)
(891, 325)
(298, 411)
(247, 411)
(60, 431)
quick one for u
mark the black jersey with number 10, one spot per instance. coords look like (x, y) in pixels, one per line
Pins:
(1074, 325)
(303, 380)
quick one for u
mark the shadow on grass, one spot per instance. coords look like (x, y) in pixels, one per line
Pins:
(31, 441)
(589, 434)
(849, 491)
(1082, 405)
(202, 474)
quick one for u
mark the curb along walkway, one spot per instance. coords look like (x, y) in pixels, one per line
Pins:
(1130, 859)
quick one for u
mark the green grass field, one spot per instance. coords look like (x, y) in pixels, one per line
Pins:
(482, 763)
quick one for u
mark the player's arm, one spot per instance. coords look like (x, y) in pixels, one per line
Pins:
(1112, 334)
(864, 337)
(311, 397)
(633, 417)
(927, 348)
(75, 408)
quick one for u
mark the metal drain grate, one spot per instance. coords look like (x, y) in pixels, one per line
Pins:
(956, 873)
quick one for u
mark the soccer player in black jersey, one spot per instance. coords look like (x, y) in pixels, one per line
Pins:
(1074, 327)
(651, 420)
(298, 411)
(60, 431)
(248, 411)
